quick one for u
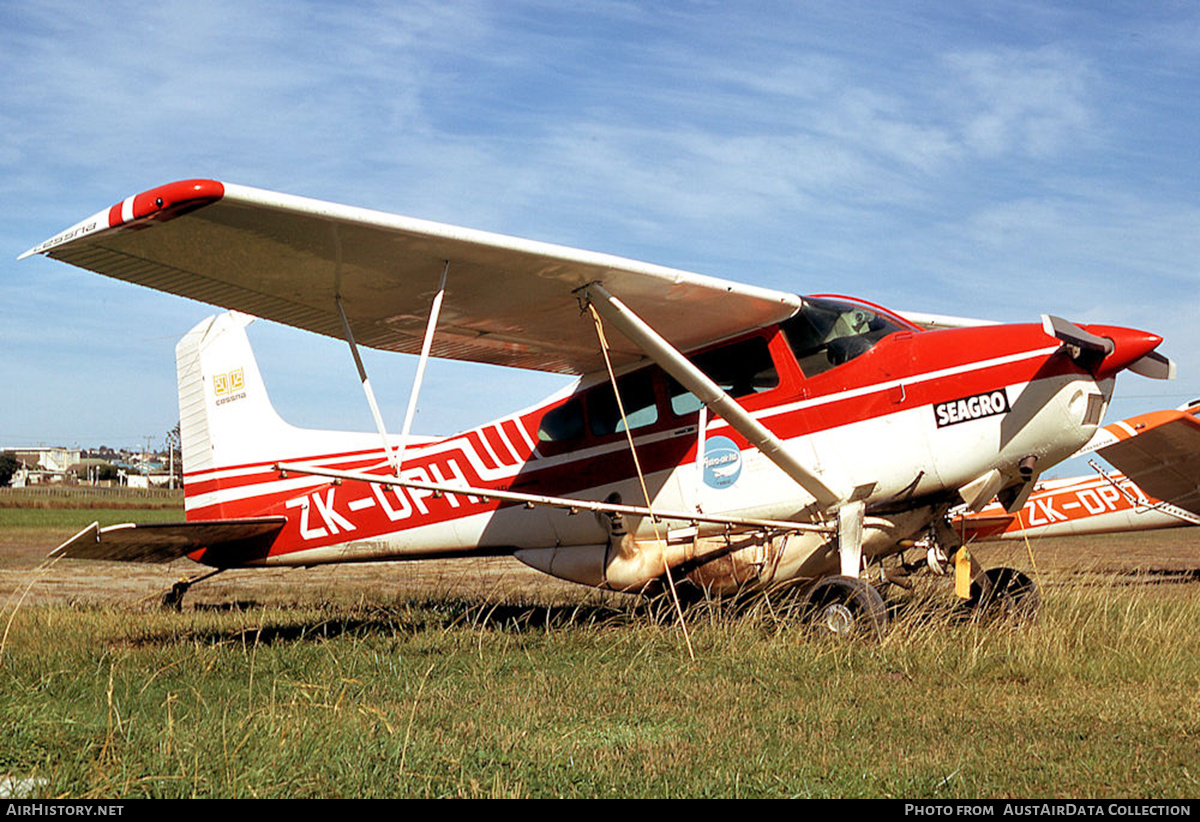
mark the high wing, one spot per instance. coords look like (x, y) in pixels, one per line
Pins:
(1159, 451)
(292, 259)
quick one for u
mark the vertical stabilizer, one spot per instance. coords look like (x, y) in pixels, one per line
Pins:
(231, 433)
(225, 415)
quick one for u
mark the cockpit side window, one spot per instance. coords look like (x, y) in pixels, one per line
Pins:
(827, 333)
(739, 369)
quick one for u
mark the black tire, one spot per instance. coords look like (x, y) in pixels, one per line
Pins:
(841, 606)
(172, 600)
(1005, 593)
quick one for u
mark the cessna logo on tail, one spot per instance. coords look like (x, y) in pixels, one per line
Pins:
(229, 387)
(970, 408)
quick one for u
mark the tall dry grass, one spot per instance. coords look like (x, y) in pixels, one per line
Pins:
(446, 697)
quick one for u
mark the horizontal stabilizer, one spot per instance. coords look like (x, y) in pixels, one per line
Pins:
(164, 542)
(934, 322)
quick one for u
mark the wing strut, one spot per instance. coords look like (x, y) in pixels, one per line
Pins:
(396, 457)
(708, 392)
(1140, 505)
(434, 311)
(366, 384)
(568, 504)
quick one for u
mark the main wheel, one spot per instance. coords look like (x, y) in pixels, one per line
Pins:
(846, 607)
(1005, 593)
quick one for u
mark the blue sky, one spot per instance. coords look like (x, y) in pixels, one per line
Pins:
(999, 159)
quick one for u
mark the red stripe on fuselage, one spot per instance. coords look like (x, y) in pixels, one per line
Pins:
(474, 440)
(511, 429)
(491, 432)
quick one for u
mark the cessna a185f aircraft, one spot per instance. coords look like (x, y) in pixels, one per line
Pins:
(754, 437)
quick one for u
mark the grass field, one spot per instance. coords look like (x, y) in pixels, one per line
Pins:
(463, 678)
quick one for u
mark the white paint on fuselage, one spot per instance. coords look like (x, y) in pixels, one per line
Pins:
(888, 451)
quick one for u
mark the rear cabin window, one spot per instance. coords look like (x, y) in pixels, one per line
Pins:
(827, 333)
(740, 369)
(563, 423)
(638, 398)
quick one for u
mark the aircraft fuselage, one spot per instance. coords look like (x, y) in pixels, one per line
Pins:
(900, 418)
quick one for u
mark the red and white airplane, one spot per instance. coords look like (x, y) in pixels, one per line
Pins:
(755, 438)
(1157, 485)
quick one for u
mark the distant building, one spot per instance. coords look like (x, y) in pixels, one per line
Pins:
(41, 464)
(44, 458)
(160, 480)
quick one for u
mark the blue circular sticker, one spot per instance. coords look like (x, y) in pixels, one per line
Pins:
(722, 462)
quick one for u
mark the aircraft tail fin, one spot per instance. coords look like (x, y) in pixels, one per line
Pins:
(231, 434)
(225, 415)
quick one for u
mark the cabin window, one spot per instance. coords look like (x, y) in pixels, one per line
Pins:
(827, 333)
(637, 395)
(740, 369)
(562, 423)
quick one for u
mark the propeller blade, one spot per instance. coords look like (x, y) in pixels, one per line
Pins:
(1154, 365)
(1072, 334)
(1105, 356)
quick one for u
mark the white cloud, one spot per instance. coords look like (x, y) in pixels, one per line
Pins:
(1023, 102)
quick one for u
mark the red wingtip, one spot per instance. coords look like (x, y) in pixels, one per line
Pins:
(166, 201)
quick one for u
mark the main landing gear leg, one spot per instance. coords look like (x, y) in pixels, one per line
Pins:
(172, 600)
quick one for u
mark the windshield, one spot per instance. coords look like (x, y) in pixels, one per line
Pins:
(826, 333)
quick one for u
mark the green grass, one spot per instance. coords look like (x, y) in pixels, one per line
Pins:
(76, 518)
(1099, 698)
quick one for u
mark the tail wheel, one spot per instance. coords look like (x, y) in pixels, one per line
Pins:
(172, 600)
(1005, 593)
(846, 607)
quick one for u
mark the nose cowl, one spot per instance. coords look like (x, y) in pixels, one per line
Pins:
(1132, 349)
